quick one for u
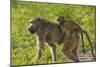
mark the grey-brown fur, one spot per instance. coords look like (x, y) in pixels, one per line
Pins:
(47, 32)
(71, 47)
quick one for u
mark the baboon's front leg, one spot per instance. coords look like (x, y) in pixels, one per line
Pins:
(53, 51)
(40, 47)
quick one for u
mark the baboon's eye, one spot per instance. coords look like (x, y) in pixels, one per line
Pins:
(31, 22)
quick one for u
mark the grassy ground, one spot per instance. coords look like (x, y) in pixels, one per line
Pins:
(23, 44)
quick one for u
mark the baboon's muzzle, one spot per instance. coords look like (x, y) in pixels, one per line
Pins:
(32, 30)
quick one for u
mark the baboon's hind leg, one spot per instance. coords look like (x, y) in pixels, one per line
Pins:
(76, 52)
(67, 50)
(76, 48)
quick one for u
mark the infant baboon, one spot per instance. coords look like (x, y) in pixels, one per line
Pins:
(72, 30)
(67, 25)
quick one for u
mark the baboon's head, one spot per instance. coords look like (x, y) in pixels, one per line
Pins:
(34, 24)
(60, 19)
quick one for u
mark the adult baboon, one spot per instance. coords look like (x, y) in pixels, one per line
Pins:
(71, 29)
(47, 32)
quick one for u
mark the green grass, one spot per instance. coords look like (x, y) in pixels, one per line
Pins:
(23, 44)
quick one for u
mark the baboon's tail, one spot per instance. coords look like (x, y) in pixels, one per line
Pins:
(90, 43)
(82, 42)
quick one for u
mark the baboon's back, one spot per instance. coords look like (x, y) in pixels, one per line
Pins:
(51, 31)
